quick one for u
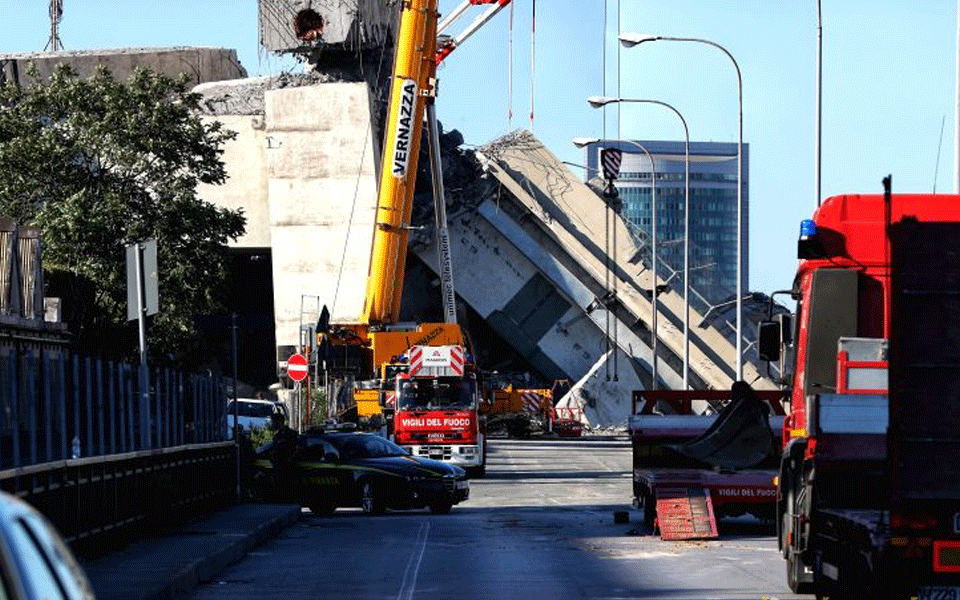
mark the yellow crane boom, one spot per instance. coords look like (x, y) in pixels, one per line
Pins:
(413, 81)
(412, 88)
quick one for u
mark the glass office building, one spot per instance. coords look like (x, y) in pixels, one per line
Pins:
(713, 209)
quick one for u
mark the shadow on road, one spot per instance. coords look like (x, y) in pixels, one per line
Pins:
(515, 475)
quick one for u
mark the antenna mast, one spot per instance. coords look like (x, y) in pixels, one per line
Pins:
(56, 13)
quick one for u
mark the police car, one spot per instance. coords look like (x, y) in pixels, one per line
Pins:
(332, 469)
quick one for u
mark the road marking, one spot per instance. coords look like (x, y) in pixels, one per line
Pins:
(409, 583)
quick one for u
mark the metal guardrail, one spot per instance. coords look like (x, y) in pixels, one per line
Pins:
(151, 458)
(104, 502)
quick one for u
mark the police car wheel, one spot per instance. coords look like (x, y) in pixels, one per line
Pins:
(322, 508)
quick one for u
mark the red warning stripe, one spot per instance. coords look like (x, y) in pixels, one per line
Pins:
(416, 360)
(456, 359)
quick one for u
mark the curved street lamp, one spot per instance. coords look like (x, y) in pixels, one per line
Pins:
(630, 39)
(582, 142)
(599, 101)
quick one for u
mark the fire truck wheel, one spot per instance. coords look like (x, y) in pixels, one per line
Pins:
(440, 508)
(794, 569)
(370, 499)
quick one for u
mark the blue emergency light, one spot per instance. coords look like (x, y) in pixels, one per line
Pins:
(808, 246)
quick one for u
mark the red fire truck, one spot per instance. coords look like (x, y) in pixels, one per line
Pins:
(437, 402)
(868, 500)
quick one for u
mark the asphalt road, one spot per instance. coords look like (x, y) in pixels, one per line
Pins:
(539, 526)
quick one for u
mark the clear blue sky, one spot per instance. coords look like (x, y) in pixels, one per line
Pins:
(888, 84)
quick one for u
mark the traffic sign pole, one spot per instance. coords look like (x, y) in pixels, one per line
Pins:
(297, 371)
(307, 379)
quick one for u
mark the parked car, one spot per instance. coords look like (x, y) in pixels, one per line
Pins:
(252, 413)
(334, 469)
(35, 562)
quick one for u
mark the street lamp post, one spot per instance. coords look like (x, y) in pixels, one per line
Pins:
(630, 39)
(582, 142)
(599, 101)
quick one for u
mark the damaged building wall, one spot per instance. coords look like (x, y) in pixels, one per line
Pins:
(304, 26)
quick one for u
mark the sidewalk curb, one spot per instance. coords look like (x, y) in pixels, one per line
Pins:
(205, 569)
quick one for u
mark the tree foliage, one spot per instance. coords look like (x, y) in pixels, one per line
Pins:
(98, 164)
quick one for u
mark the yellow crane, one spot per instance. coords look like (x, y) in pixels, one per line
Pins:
(412, 94)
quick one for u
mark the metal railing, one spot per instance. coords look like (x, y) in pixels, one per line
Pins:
(104, 502)
(56, 405)
(103, 459)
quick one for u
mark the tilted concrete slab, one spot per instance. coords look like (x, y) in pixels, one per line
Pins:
(546, 223)
(573, 216)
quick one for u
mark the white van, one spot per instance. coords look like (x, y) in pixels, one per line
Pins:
(252, 413)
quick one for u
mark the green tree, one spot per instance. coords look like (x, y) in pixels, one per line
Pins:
(98, 164)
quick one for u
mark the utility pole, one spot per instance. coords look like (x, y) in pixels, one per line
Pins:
(56, 13)
(236, 404)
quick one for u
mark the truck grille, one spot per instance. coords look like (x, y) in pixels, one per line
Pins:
(436, 452)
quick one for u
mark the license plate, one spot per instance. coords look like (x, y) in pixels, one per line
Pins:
(462, 485)
(956, 522)
(938, 593)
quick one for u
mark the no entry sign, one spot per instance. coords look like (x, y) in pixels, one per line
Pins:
(297, 367)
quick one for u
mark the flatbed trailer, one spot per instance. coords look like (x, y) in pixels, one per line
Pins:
(681, 497)
(685, 503)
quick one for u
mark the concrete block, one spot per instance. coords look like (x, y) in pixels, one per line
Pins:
(323, 202)
(246, 185)
(349, 24)
(199, 64)
(326, 107)
(319, 155)
(323, 194)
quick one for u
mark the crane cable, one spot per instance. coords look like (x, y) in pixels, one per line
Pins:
(510, 72)
(533, 58)
(356, 189)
